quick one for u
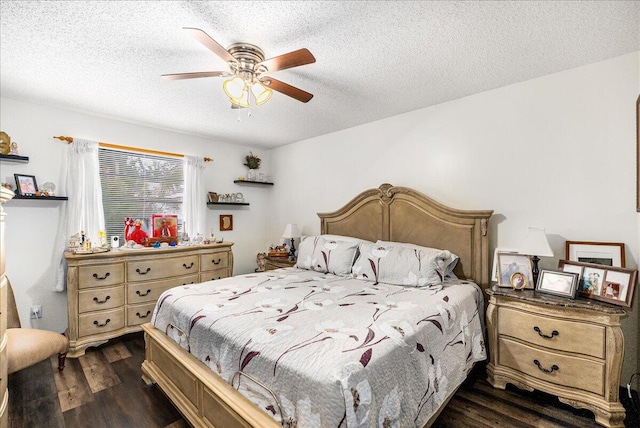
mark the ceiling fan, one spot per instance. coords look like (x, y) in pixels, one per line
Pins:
(247, 68)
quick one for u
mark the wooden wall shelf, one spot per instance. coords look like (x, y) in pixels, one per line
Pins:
(13, 158)
(264, 183)
(42, 198)
(228, 203)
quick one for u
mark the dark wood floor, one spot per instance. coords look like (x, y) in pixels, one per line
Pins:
(104, 389)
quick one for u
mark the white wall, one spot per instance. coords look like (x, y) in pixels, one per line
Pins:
(556, 152)
(32, 225)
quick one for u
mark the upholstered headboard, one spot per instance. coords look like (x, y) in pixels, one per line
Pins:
(402, 214)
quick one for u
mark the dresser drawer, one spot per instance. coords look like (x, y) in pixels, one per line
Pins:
(101, 322)
(150, 291)
(162, 268)
(100, 275)
(214, 261)
(213, 275)
(140, 314)
(571, 371)
(563, 335)
(98, 299)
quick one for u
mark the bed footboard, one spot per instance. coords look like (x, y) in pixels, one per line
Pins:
(203, 398)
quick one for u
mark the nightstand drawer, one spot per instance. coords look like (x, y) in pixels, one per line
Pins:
(100, 275)
(563, 335)
(563, 370)
(100, 298)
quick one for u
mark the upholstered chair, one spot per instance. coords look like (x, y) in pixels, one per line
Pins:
(28, 346)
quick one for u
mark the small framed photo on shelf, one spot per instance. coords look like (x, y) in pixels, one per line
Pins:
(212, 196)
(510, 263)
(226, 222)
(601, 253)
(609, 284)
(564, 284)
(26, 184)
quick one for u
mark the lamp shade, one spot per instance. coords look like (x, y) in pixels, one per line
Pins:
(291, 231)
(536, 244)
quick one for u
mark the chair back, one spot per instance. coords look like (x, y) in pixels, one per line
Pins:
(13, 319)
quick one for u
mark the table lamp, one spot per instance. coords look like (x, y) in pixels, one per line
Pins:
(291, 232)
(536, 244)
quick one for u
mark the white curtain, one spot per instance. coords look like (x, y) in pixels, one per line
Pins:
(84, 211)
(194, 200)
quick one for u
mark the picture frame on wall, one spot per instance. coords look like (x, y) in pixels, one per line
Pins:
(602, 253)
(564, 284)
(510, 263)
(611, 284)
(26, 185)
(226, 222)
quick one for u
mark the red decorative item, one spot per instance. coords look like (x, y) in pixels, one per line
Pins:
(138, 235)
(128, 222)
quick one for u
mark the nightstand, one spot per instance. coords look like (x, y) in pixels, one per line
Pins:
(569, 348)
(278, 262)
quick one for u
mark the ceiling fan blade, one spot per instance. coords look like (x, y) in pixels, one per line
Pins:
(288, 60)
(210, 44)
(285, 88)
(195, 75)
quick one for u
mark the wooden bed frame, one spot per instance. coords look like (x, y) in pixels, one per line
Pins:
(387, 213)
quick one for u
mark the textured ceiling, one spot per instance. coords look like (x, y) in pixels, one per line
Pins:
(374, 59)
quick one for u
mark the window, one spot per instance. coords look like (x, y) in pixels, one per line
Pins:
(138, 185)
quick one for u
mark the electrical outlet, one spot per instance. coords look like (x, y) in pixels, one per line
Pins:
(36, 312)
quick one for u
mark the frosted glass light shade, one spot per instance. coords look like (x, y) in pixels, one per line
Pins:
(234, 88)
(291, 231)
(536, 244)
(242, 101)
(261, 93)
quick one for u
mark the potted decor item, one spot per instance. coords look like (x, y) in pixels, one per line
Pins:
(253, 163)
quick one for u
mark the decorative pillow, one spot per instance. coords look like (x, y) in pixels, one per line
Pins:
(402, 265)
(443, 255)
(327, 255)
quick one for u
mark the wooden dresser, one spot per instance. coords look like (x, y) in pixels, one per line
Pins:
(5, 195)
(113, 293)
(569, 348)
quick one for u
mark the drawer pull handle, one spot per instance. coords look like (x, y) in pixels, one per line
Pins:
(185, 283)
(187, 267)
(553, 333)
(95, 275)
(216, 262)
(102, 325)
(142, 295)
(143, 316)
(145, 272)
(553, 367)
(95, 299)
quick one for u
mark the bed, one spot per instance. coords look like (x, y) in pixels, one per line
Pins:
(395, 354)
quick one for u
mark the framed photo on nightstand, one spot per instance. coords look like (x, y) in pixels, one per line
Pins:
(510, 263)
(562, 284)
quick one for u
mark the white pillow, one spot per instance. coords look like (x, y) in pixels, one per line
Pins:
(327, 255)
(403, 265)
(343, 238)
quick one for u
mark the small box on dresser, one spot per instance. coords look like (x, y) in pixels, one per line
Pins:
(113, 293)
(569, 348)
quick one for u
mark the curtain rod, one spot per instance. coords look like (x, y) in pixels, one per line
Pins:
(69, 140)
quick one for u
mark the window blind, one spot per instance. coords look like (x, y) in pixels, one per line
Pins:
(138, 185)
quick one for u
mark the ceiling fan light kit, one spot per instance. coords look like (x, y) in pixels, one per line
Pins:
(247, 66)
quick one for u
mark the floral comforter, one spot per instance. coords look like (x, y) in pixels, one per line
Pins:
(337, 351)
